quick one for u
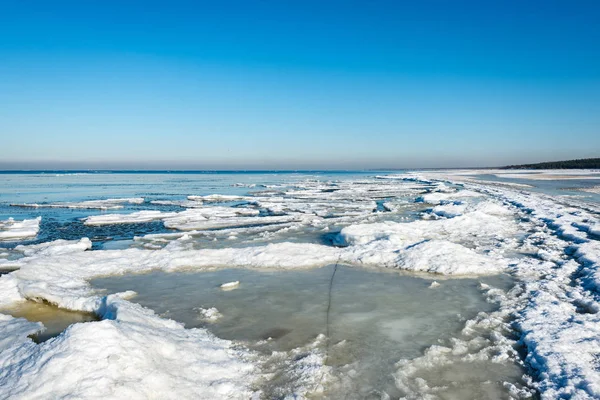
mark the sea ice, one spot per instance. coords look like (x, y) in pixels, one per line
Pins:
(12, 230)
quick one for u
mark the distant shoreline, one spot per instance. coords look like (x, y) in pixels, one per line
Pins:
(175, 171)
(584, 163)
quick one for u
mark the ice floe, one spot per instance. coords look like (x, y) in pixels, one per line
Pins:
(230, 285)
(13, 230)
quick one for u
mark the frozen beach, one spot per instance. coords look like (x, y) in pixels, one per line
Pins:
(447, 284)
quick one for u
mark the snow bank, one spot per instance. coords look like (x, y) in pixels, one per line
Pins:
(11, 230)
(474, 228)
(131, 353)
(443, 257)
(556, 303)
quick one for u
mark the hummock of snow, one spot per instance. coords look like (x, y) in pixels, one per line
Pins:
(476, 227)
(449, 210)
(445, 197)
(443, 257)
(131, 354)
(108, 204)
(11, 230)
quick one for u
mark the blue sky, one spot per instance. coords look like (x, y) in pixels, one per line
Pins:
(297, 84)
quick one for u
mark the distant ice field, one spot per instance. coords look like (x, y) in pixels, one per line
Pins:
(445, 284)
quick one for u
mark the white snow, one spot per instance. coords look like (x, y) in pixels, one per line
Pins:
(443, 257)
(56, 247)
(445, 197)
(12, 230)
(131, 353)
(135, 217)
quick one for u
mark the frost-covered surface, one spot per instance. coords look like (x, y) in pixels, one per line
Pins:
(445, 223)
(108, 204)
(12, 230)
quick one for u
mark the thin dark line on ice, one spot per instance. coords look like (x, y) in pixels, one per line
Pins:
(327, 324)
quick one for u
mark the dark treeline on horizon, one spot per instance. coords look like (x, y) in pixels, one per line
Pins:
(584, 163)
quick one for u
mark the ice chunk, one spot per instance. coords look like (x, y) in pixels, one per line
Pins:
(11, 230)
(56, 247)
(208, 314)
(136, 217)
(230, 285)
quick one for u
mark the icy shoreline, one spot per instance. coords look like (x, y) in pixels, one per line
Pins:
(473, 229)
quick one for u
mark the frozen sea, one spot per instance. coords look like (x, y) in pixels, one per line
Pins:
(362, 285)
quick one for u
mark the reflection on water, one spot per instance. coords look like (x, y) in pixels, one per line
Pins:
(376, 318)
(54, 319)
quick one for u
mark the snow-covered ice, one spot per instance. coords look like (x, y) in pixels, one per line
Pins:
(131, 353)
(12, 230)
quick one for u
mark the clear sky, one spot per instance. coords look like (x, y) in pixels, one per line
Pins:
(297, 84)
